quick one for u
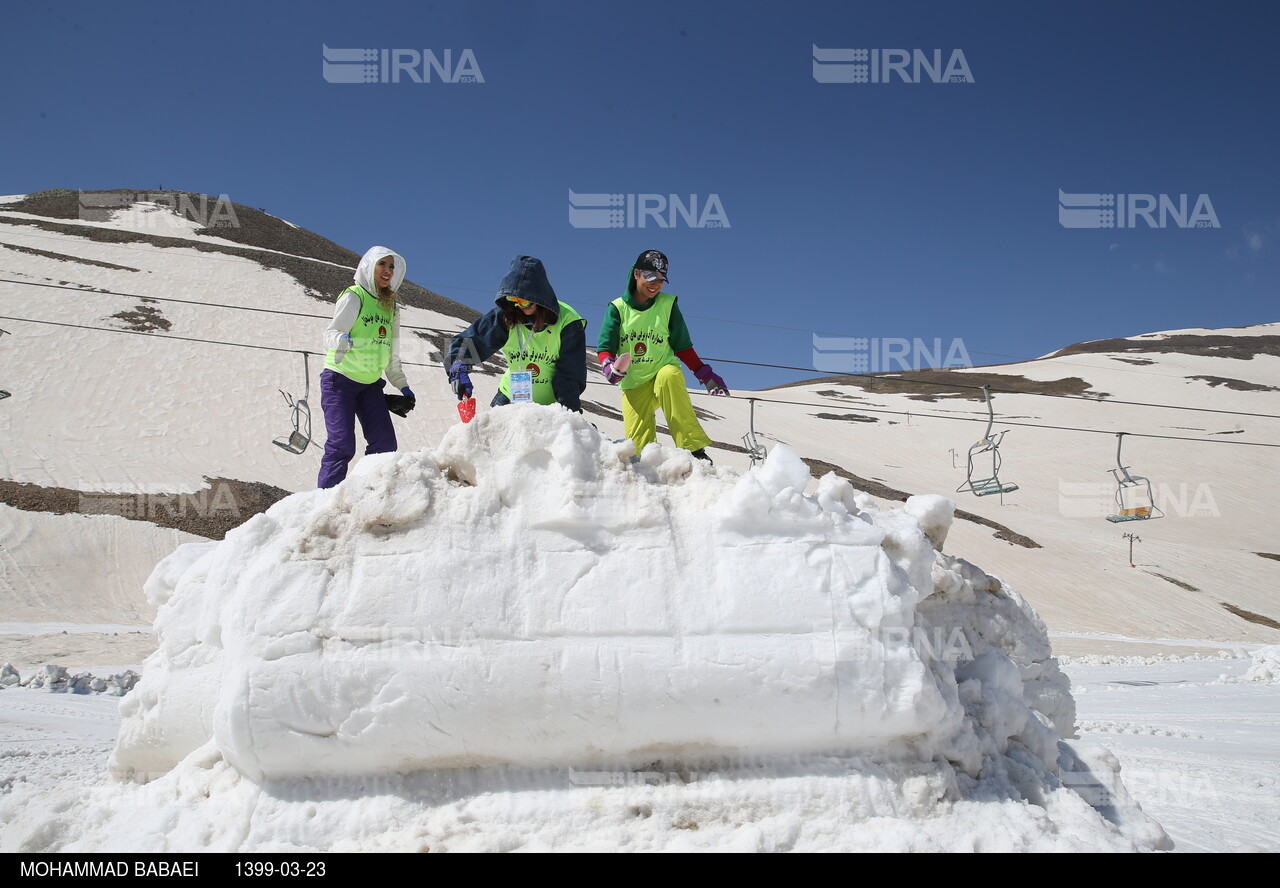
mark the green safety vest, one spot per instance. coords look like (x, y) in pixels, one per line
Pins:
(538, 353)
(647, 336)
(368, 357)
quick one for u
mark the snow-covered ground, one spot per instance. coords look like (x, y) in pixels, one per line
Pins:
(1195, 739)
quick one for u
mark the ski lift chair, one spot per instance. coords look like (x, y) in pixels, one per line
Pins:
(298, 440)
(755, 450)
(1134, 499)
(988, 444)
(3, 393)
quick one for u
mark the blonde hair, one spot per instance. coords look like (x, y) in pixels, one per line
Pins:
(385, 295)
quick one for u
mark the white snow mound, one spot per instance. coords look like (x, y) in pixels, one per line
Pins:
(525, 595)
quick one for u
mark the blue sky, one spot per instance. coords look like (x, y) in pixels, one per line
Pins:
(896, 211)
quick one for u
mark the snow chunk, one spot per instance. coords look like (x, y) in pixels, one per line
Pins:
(934, 513)
(1266, 665)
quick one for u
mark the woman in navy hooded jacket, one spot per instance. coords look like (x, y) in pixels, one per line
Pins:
(363, 345)
(535, 331)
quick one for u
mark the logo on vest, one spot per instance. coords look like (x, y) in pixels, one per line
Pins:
(534, 370)
(639, 349)
(382, 332)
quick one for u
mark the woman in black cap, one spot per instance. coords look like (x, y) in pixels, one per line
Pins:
(641, 346)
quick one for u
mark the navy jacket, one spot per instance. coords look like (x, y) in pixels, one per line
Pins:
(527, 279)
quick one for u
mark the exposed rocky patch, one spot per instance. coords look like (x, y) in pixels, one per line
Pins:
(846, 417)
(601, 410)
(1179, 583)
(932, 385)
(1241, 348)
(1237, 385)
(1251, 616)
(63, 257)
(209, 513)
(144, 319)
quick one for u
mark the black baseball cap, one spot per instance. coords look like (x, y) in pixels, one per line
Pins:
(653, 260)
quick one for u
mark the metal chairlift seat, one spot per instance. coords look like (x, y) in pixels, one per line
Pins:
(991, 484)
(3, 393)
(755, 450)
(298, 439)
(1134, 499)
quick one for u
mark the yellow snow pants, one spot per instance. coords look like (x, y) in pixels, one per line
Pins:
(666, 391)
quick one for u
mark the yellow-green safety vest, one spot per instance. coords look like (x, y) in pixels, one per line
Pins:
(538, 353)
(370, 353)
(647, 336)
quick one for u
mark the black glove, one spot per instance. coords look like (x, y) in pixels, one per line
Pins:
(399, 404)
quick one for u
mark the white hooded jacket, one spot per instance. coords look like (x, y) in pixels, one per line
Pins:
(348, 310)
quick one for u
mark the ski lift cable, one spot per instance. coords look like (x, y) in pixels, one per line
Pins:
(885, 378)
(1030, 425)
(436, 288)
(956, 385)
(808, 370)
(204, 304)
(827, 404)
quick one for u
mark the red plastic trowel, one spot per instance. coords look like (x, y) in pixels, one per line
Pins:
(467, 409)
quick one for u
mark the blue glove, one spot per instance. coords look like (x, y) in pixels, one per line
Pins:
(460, 381)
(408, 393)
(711, 380)
(345, 342)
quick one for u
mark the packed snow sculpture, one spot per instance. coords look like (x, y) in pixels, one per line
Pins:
(526, 594)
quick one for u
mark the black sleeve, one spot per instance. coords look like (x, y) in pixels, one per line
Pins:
(571, 368)
(479, 341)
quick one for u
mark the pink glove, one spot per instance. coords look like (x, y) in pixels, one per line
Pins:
(614, 370)
(714, 383)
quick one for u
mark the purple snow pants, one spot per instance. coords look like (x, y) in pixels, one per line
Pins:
(344, 401)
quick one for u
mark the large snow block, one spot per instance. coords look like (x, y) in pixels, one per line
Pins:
(525, 594)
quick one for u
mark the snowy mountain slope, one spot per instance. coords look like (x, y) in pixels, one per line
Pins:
(98, 413)
(1216, 497)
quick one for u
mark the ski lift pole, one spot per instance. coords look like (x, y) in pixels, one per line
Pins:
(1132, 538)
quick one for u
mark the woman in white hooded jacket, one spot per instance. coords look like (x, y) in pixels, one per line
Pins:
(362, 345)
